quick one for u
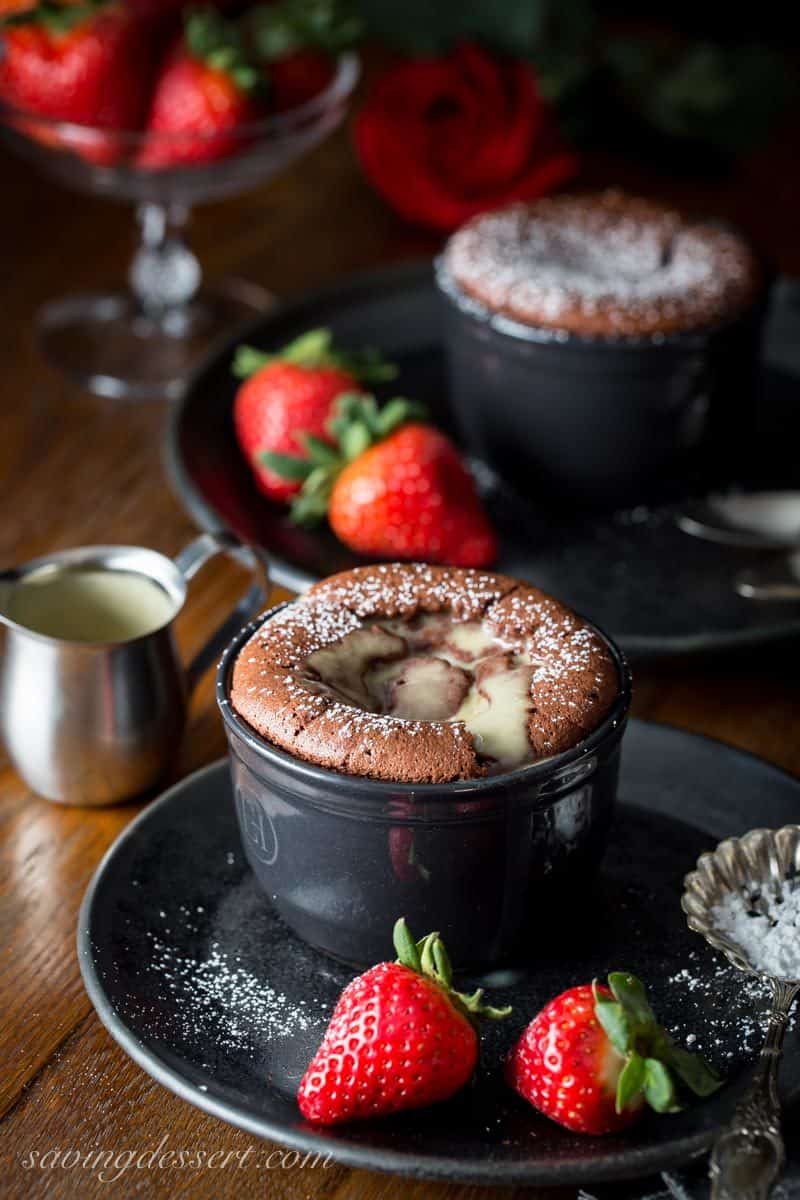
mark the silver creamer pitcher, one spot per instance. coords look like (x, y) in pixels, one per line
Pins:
(93, 695)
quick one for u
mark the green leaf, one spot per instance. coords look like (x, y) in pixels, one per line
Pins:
(630, 993)
(56, 18)
(288, 466)
(405, 946)
(658, 1087)
(355, 439)
(247, 360)
(286, 26)
(427, 960)
(320, 452)
(309, 508)
(614, 1021)
(319, 482)
(691, 1069)
(442, 963)
(311, 349)
(631, 1081)
(397, 412)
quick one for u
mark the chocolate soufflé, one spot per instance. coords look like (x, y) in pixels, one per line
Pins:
(421, 674)
(603, 265)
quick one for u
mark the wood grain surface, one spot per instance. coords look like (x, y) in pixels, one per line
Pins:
(76, 470)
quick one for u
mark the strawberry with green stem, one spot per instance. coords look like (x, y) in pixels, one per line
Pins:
(391, 485)
(595, 1056)
(87, 63)
(287, 399)
(207, 94)
(297, 42)
(400, 1038)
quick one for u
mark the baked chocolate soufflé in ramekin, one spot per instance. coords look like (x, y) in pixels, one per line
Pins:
(422, 741)
(589, 336)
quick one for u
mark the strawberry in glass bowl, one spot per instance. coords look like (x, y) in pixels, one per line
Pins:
(165, 109)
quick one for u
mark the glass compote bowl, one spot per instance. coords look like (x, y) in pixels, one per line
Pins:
(146, 340)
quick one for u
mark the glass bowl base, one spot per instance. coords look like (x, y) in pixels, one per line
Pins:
(106, 343)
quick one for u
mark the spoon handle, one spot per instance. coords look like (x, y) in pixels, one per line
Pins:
(749, 1154)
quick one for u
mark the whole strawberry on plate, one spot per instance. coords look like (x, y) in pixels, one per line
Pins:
(206, 95)
(297, 42)
(400, 1037)
(594, 1057)
(288, 397)
(87, 63)
(392, 486)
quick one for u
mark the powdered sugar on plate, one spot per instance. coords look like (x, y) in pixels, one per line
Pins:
(766, 930)
(215, 995)
(718, 1030)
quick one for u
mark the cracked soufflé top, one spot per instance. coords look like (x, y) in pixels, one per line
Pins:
(603, 264)
(423, 674)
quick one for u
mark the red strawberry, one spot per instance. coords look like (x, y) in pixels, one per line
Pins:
(406, 496)
(297, 42)
(88, 63)
(410, 496)
(206, 93)
(299, 77)
(594, 1056)
(399, 1038)
(289, 396)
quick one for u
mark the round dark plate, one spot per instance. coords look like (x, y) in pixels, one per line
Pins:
(652, 587)
(200, 982)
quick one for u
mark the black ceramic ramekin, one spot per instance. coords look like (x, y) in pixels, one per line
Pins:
(484, 861)
(596, 420)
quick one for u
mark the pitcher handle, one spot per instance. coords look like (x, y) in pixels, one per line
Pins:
(189, 562)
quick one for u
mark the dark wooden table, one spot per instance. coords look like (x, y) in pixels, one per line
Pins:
(76, 470)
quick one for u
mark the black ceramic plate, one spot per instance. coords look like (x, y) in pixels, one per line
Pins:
(655, 589)
(203, 986)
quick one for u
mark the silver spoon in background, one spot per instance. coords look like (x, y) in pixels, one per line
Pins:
(748, 1155)
(773, 581)
(748, 520)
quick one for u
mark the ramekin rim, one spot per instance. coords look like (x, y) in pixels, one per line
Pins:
(504, 325)
(542, 768)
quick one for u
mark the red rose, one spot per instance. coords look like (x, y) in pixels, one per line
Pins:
(444, 138)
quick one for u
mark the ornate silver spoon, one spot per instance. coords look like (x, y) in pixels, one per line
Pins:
(748, 1156)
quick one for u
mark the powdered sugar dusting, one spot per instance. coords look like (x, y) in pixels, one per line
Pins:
(605, 263)
(572, 681)
(745, 1022)
(213, 995)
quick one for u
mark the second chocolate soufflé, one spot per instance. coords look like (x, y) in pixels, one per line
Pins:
(603, 264)
(422, 674)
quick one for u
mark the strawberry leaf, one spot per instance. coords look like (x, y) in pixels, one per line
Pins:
(56, 17)
(355, 439)
(286, 26)
(312, 349)
(217, 42)
(397, 412)
(630, 1082)
(614, 1021)
(428, 957)
(247, 360)
(287, 466)
(659, 1089)
(309, 509)
(318, 483)
(320, 452)
(691, 1069)
(405, 947)
(630, 993)
(315, 349)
